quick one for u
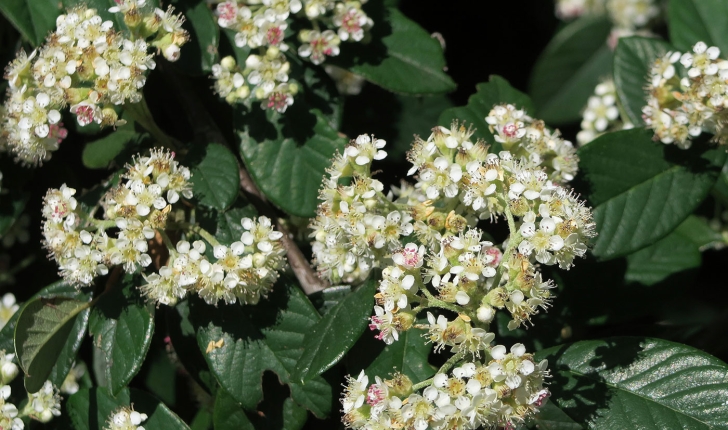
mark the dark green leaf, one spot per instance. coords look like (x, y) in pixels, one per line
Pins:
(229, 415)
(550, 417)
(637, 383)
(33, 19)
(182, 335)
(642, 190)
(417, 116)
(121, 325)
(692, 21)
(41, 332)
(98, 154)
(266, 336)
(496, 91)
(402, 57)
(229, 228)
(67, 355)
(327, 299)
(669, 255)
(56, 289)
(408, 355)
(287, 155)
(90, 409)
(572, 64)
(697, 230)
(200, 53)
(336, 333)
(215, 180)
(633, 59)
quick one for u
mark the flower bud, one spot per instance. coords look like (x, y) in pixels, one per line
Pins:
(171, 52)
(9, 372)
(228, 63)
(400, 385)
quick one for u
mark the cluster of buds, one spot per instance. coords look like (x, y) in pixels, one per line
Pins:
(264, 78)
(262, 24)
(501, 391)
(424, 238)
(85, 64)
(629, 17)
(680, 106)
(140, 210)
(126, 418)
(601, 114)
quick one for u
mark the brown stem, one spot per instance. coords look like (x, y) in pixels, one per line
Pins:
(207, 130)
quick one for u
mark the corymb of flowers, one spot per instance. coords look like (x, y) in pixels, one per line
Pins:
(265, 28)
(85, 65)
(436, 264)
(145, 206)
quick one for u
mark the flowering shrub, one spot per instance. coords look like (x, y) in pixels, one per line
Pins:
(249, 214)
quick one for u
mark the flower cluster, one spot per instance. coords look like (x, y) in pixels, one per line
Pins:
(85, 64)
(262, 25)
(125, 418)
(503, 390)
(137, 213)
(681, 106)
(424, 238)
(629, 17)
(601, 114)
(244, 271)
(264, 78)
(45, 403)
(42, 405)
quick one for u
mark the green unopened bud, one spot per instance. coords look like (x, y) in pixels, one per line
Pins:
(496, 298)
(9, 371)
(403, 320)
(400, 385)
(228, 63)
(133, 18)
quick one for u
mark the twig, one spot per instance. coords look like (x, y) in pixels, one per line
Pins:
(206, 129)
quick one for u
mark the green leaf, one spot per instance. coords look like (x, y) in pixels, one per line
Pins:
(229, 415)
(633, 60)
(642, 190)
(183, 338)
(229, 228)
(256, 338)
(57, 289)
(67, 355)
(43, 328)
(33, 19)
(496, 91)
(121, 326)
(287, 155)
(697, 230)
(408, 355)
(637, 383)
(336, 333)
(90, 409)
(550, 417)
(670, 255)
(99, 153)
(200, 53)
(691, 21)
(215, 180)
(572, 64)
(402, 57)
